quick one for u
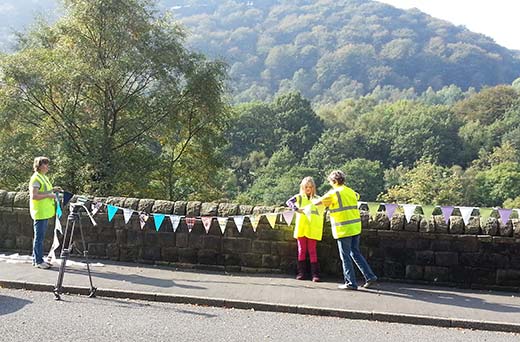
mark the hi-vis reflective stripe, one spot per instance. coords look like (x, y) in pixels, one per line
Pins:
(344, 223)
(340, 204)
(43, 183)
(315, 212)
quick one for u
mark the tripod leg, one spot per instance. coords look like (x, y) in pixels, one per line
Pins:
(85, 254)
(65, 252)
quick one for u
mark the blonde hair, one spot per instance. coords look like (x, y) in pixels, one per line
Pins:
(305, 181)
(39, 161)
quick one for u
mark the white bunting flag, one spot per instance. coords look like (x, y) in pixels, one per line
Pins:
(239, 221)
(206, 221)
(272, 219)
(408, 211)
(175, 219)
(57, 226)
(55, 244)
(466, 213)
(127, 213)
(288, 216)
(255, 220)
(222, 222)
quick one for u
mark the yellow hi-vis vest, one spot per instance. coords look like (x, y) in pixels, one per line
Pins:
(45, 208)
(312, 229)
(344, 214)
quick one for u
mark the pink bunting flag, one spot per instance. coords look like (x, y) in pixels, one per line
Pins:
(390, 209)
(206, 221)
(143, 217)
(446, 212)
(190, 222)
(95, 207)
(505, 214)
(288, 216)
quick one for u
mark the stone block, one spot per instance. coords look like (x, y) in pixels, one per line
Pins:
(24, 243)
(466, 244)
(166, 239)
(393, 270)
(112, 251)
(270, 234)
(151, 238)
(505, 229)
(413, 225)
(207, 257)
(397, 222)
(134, 237)
(21, 200)
(261, 247)
(414, 272)
(131, 203)
(146, 205)
(365, 217)
(163, 207)
(98, 250)
(228, 209)
(473, 226)
(212, 242)
(232, 259)
(179, 208)
(250, 260)
(425, 258)
(417, 243)
(128, 253)
(195, 240)
(116, 201)
(516, 227)
(170, 254)
(3, 193)
(181, 240)
(187, 255)
(427, 226)
(9, 199)
(270, 261)
(489, 226)
(508, 277)
(441, 245)
(483, 276)
(446, 259)
(284, 248)
(437, 274)
(193, 208)
(456, 225)
(150, 253)
(236, 245)
(209, 209)
(440, 224)
(245, 209)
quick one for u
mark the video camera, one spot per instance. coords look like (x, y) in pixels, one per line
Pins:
(81, 201)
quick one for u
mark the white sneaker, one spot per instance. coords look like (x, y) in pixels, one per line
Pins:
(43, 265)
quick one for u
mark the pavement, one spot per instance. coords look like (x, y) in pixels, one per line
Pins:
(387, 302)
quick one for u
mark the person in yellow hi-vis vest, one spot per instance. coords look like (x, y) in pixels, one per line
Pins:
(307, 232)
(42, 206)
(346, 229)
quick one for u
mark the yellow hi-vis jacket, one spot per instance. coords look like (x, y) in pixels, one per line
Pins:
(344, 214)
(45, 208)
(312, 229)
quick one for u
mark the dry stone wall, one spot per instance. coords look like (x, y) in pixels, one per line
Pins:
(485, 253)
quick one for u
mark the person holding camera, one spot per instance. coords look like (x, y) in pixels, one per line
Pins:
(42, 206)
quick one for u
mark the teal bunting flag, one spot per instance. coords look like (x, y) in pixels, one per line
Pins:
(158, 219)
(58, 208)
(111, 212)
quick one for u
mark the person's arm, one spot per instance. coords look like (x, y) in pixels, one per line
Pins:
(291, 203)
(324, 200)
(36, 195)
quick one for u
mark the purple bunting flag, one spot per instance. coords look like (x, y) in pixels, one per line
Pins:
(446, 212)
(390, 209)
(504, 215)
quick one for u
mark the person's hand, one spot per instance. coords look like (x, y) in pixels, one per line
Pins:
(57, 189)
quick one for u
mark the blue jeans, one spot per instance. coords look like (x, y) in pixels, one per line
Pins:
(348, 248)
(40, 226)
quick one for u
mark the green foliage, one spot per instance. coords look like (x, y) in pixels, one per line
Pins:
(365, 177)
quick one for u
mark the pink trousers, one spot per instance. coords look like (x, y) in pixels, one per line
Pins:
(304, 245)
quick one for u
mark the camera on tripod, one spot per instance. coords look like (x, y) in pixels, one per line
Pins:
(81, 201)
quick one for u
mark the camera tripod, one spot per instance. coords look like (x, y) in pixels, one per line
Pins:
(68, 245)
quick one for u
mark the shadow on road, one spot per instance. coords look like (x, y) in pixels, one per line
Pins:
(10, 304)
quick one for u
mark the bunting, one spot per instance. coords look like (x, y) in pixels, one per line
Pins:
(55, 244)
(158, 219)
(272, 219)
(66, 197)
(95, 207)
(408, 211)
(428, 211)
(505, 214)
(390, 210)
(446, 212)
(59, 213)
(190, 222)
(127, 214)
(485, 212)
(466, 213)
(288, 216)
(255, 220)
(143, 217)
(373, 209)
(206, 221)
(222, 223)
(174, 219)
(239, 221)
(112, 210)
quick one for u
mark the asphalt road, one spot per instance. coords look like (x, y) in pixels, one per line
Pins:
(35, 316)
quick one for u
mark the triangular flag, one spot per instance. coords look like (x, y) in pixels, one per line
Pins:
(255, 219)
(485, 212)
(112, 210)
(272, 219)
(190, 222)
(127, 213)
(57, 226)
(307, 210)
(359, 204)
(504, 215)
(288, 216)
(428, 211)
(466, 213)
(95, 207)
(408, 211)
(206, 221)
(175, 219)
(66, 197)
(447, 210)
(390, 209)
(239, 221)
(158, 219)
(58, 208)
(373, 208)
(222, 222)
(143, 217)
(55, 244)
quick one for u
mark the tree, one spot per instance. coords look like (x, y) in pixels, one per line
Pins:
(111, 86)
(365, 177)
